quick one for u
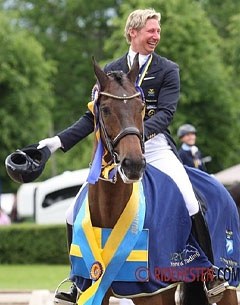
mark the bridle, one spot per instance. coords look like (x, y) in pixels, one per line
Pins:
(112, 143)
(124, 97)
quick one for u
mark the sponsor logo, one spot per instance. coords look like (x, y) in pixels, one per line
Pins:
(151, 93)
(189, 254)
(229, 242)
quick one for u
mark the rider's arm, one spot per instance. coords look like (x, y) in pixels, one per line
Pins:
(76, 132)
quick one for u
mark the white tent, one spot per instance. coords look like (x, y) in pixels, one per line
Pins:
(229, 175)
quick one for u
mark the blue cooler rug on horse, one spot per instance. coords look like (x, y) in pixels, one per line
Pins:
(164, 252)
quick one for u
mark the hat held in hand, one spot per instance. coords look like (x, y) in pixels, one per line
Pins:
(26, 164)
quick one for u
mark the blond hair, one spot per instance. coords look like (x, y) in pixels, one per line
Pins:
(137, 20)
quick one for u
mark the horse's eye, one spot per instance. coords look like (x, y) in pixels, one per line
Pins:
(105, 110)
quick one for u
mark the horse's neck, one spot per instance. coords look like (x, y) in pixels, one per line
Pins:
(107, 202)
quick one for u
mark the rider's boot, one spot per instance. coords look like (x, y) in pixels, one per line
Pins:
(214, 289)
(67, 298)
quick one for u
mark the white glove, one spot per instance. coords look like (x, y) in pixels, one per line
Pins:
(52, 143)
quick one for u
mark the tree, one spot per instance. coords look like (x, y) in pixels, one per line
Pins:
(71, 33)
(25, 92)
(232, 57)
(233, 47)
(220, 13)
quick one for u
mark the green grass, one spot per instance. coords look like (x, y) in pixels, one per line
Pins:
(30, 277)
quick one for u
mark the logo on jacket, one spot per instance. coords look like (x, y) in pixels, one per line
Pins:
(151, 93)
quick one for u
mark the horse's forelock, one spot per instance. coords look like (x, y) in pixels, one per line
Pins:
(118, 76)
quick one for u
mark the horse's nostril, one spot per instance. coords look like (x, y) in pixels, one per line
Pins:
(138, 164)
(126, 162)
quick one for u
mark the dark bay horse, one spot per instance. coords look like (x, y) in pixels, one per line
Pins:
(119, 119)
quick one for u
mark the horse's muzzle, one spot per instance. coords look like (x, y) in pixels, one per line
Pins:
(132, 170)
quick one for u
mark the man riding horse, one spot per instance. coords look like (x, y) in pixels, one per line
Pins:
(159, 83)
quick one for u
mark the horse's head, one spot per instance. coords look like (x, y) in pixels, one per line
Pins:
(121, 109)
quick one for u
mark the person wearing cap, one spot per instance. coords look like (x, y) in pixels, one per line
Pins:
(160, 82)
(189, 152)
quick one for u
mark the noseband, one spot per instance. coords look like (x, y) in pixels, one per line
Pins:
(112, 143)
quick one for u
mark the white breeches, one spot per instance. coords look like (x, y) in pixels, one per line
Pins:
(159, 154)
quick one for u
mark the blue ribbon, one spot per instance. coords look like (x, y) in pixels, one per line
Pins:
(96, 167)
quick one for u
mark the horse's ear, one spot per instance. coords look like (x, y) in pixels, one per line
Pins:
(100, 74)
(133, 73)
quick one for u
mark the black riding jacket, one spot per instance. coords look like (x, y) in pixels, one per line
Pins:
(161, 87)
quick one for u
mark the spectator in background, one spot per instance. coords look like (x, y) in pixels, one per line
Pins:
(4, 218)
(189, 152)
